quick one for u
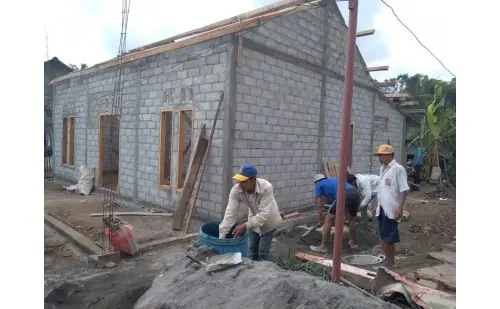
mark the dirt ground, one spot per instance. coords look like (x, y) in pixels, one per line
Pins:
(71, 284)
(432, 223)
(74, 210)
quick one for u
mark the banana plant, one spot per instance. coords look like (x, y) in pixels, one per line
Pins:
(438, 134)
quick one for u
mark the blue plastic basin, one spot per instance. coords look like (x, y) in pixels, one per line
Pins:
(209, 236)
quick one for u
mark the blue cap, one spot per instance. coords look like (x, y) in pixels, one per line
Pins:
(246, 171)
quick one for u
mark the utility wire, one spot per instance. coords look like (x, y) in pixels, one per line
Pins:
(402, 23)
(199, 55)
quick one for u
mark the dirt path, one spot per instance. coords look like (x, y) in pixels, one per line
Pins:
(74, 210)
(432, 223)
(70, 284)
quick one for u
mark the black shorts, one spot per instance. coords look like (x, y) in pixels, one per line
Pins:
(352, 202)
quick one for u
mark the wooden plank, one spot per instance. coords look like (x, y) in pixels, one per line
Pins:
(444, 274)
(444, 256)
(203, 163)
(235, 27)
(240, 51)
(189, 183)
(166, 242)
(327, 170)
(365, 33)
(379, 68)
(132, 213)
(73, 235)
(267, 9)
(334, 171)
(358, 276)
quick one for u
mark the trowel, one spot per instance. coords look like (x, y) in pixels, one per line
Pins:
(219, 262)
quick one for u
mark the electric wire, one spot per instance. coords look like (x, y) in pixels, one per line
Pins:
(415, 36)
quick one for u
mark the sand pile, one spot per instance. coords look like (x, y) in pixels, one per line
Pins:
(264, 285)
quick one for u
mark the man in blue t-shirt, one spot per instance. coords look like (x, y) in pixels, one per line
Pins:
(326, 193)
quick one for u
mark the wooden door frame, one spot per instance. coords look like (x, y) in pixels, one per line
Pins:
(100, 138)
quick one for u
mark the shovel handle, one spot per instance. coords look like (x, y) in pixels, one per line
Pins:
(194, 260)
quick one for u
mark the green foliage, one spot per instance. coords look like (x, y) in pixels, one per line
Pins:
(421, 87)
(290, 262)
(438, 135)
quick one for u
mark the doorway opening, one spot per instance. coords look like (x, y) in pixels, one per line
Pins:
(109, 151)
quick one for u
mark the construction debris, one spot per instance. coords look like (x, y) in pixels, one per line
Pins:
(403, 291)
(248, 285)
(132, 213)
(85, 182)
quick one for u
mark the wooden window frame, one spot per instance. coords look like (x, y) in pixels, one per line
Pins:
(351, 142)
(163, 129)
(180, 148)
(71, 129)
(64, 142)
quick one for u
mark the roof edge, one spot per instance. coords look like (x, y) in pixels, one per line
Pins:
(228, 26)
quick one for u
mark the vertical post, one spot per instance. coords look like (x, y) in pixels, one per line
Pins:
(344, 138)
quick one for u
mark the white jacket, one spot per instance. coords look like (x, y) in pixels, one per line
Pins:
(368, 186)
(263, 213)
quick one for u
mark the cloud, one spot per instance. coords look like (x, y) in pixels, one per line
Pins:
(88, 31)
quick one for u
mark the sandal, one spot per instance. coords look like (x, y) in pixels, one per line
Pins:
(318, 249)
(352, 246)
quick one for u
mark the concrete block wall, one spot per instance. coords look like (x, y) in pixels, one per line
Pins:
(361, 117)
(277, 116)
(282, 111)
(279, 102)
(151, 85)
(393, 131)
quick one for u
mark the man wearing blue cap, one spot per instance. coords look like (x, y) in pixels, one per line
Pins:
(263, 213)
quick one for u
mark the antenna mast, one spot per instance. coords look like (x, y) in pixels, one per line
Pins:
(46, 42)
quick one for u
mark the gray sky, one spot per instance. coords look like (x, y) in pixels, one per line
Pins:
(88, 31)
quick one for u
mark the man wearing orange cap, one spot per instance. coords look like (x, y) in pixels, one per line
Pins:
(392, 191)
(263, 214)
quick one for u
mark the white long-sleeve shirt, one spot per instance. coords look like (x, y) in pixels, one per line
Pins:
(368, 186)
(393, 181)
(263, 213)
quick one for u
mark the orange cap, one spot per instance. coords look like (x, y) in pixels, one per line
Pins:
(384, 150)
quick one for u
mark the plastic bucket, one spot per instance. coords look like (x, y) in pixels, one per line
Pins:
(209, 236)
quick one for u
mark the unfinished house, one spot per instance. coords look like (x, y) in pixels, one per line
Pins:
(52, 68)
(281, 70)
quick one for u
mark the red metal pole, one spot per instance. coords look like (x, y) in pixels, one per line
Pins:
(344, 138)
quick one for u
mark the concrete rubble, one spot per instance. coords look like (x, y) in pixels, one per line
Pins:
(184, 284)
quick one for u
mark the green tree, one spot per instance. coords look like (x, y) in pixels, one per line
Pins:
(438, 135)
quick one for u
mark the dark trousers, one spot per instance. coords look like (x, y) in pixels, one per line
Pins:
(259, 246)
(416, 178)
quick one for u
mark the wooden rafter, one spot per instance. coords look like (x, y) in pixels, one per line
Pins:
(379, 68)
(365, 33)
(242, 22)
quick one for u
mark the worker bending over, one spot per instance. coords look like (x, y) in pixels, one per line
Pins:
(368, 187)
(263, 213)
(326, 191)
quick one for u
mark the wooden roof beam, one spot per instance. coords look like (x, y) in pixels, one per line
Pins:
(198, 38)
(379, 68)
(263, 10)
(365, 33)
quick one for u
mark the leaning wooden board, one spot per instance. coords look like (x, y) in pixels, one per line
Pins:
(150, 214)
(197, 183)
(444, 274)
(189, 183)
